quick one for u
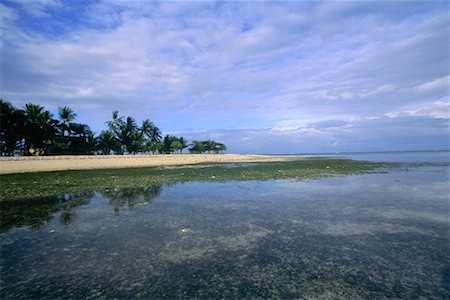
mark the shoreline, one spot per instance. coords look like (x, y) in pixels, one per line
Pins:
(36, 185)
(33, 164)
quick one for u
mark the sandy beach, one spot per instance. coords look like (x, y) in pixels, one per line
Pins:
(11, 165)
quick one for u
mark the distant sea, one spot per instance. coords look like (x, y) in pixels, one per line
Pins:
(394, 156)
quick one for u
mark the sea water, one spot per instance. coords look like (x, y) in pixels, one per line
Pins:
(398, 156)
(362, 236)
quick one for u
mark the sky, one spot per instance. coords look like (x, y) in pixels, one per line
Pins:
(261, 77)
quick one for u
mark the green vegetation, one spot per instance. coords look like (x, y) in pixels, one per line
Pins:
(34, 185)
(33, 131)
(206, 146)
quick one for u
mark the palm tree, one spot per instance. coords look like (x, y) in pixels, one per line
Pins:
(156, 135)
(176, 145)
(82, 139)
(79, 130)
(66, 115)
(220, 147)
(171, 143)
(34, 131)
(209, 145)
(12, 128)
(197, 147)
(129, 136)
(136, 142)
(155, 147)
(166, 144)
(107, 142)
(41, 129)
(116, 123)
(152, 132)
(150, 135)
(183, 143)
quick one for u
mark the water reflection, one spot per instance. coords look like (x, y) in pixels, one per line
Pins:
(34, 213)
(130, 197)
(375, 236)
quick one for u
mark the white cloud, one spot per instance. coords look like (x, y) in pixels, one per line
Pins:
(38, 8)
(442, 83)
(293, 67)
(7, 14)
(434, 109)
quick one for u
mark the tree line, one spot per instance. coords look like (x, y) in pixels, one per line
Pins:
(32, 130)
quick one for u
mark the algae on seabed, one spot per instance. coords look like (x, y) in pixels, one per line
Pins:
(45, 184)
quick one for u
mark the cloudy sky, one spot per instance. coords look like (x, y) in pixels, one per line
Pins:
(262, 77)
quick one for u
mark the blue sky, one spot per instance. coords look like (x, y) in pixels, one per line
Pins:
(262, 77)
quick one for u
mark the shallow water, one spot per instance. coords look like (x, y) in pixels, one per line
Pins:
(370, 236)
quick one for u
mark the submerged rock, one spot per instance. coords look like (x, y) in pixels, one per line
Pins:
(185, 229)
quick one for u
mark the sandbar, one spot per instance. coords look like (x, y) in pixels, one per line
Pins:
(28, 164)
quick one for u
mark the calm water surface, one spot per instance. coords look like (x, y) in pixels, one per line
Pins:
(363, 236)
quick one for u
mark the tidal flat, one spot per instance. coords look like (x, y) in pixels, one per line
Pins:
(318, 228)
(45, 184)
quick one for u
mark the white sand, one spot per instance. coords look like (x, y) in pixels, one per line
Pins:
(10, 165)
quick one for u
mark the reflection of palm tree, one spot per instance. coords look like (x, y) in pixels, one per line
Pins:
(35, 213)
(67, 216)
(121, 197)
(71, 201)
